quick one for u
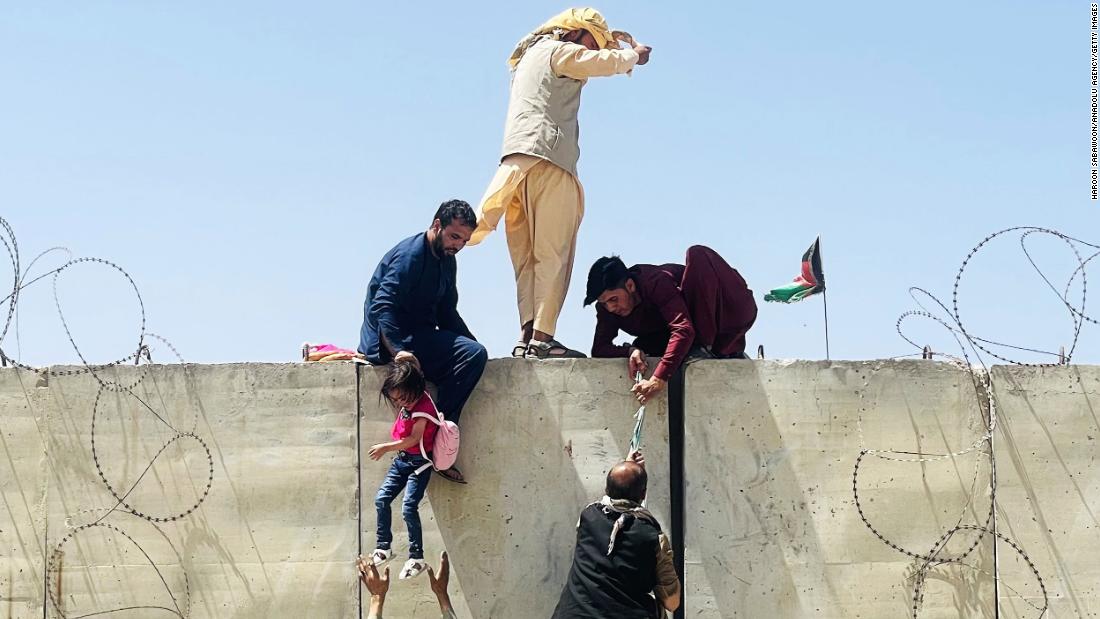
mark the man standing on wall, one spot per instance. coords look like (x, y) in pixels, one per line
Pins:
(622, 560)
(411, 312)
(703, 307)
(536, 187)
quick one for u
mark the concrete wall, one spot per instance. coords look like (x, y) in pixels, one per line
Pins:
(1049, 486)
(270, 539)
(22, 494)
(772, 528)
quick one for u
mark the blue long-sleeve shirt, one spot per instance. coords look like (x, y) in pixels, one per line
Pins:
(410, 290)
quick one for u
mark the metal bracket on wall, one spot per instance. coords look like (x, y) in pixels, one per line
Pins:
(676, 477)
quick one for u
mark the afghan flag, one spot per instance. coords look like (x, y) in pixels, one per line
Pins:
(810, 281)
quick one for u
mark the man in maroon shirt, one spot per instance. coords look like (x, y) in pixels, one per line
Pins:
(703, 307)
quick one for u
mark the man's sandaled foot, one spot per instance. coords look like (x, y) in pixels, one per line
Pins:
(552, 349)
(519, 350)
(452, 474)
(412, 569)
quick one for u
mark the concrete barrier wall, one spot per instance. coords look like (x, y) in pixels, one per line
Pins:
(270, 538)
(772, 529)
(1048, 487)
(22, 494)
(772, 526)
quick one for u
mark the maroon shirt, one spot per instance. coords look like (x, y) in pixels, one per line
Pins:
(662, 309)
(706, 302)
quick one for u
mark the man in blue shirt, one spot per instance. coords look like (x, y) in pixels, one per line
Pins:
(411, 311)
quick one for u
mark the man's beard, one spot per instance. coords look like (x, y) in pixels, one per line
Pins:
(437, 245)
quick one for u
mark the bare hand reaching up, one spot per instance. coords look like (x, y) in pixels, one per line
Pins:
(439, 583)
(377, 585)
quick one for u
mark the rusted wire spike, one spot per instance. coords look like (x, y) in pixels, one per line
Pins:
(926, 353)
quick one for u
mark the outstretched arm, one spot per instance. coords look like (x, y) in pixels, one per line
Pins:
(580, 63)
(376, 585)
(377, 451)
(394, 285)
(673, 307)
(439, 585)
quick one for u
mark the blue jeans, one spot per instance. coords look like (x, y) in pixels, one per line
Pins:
(454, 363)
(400, 476)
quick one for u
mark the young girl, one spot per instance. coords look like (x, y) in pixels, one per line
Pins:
(404, 390)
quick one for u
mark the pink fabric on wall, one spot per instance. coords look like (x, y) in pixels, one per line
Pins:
(327, 352)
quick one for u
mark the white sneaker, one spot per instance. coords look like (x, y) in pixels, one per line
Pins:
(412, 569)
(381, 556)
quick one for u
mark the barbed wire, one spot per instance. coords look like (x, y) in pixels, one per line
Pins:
(969, 343)
(124, 505)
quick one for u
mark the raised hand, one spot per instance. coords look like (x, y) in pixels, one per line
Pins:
(376, 584)
(648, 389)
(637, 362)
(439, 583)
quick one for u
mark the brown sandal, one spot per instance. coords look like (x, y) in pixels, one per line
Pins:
(552, 349)
(452, 474)
(519, 351)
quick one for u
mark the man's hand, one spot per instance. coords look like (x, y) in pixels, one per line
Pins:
(637, 362)
(439, 584)
(406, 357)
(643, 53)
(377, 451)
(637, 458)
(648, 389)
(377, 585)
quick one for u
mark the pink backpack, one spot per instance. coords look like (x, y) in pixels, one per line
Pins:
(445, 449)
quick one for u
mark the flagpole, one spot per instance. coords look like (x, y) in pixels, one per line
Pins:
(824, 298)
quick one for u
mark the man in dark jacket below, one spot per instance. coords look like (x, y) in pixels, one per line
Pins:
(622, 559)
(411, 311)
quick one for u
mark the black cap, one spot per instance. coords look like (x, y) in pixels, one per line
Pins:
(607, 273)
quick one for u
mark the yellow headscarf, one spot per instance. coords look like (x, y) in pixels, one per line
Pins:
(570, 19)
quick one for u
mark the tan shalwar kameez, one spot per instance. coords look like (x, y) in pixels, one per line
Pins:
(543, 204)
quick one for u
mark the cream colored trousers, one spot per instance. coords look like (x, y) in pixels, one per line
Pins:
(542, 206)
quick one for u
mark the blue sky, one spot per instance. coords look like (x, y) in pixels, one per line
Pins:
(248, 164)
